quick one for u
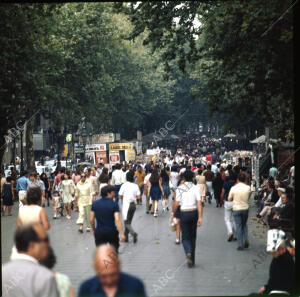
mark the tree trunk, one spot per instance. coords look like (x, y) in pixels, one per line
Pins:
(2, 150)
(29, 145)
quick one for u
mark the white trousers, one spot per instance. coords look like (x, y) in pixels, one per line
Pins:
(228, 217)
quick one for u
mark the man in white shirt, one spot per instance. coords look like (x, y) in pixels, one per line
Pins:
(240, 194)
(189, 198)
(99, 169)
(129, 192)
(117, 179)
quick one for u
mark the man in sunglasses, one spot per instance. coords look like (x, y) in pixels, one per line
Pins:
(24, 276)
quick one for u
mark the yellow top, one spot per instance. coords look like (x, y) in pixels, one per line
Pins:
(84, 193)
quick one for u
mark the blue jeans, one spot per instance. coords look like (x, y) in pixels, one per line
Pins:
(240, 218)
(117, 189)
(188, 223)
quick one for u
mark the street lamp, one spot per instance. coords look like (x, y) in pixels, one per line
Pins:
(84, 136)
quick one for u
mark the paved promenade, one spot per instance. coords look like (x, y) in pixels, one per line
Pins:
(220, 269)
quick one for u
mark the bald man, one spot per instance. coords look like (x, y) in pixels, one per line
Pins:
(110, 281)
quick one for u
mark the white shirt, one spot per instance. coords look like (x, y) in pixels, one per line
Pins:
(129, 191)
(146, 179)
(187, 195)
(182, 170)
(20, 256)
(279, 203)
(214, 168)
(174, 178)
(117, 177)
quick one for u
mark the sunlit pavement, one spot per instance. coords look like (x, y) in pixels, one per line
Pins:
(220, 269)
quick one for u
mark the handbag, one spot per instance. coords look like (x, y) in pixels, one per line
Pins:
(172, 224)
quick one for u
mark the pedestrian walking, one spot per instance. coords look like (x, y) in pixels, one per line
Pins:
(46, 182)
(149, 205)
(140, 176)
(8, 196)
(129, 193)
(110, 281)
(21, 188)
(106, 212)
(209, 177)
(217, 186)
(240, 194)
(166, 189)
(84, 197)
(189, 199)
(67, 190)
(155, 189)
(201, 183)
(117, 179)
(228, 212)
(32, 212)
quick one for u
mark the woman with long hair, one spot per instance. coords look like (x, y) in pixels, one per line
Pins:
(165, 184)
(46, 181)
(8, 196)
(201, 183)
(67, 189)
(155, 189)
(32, 212)
(217, 186)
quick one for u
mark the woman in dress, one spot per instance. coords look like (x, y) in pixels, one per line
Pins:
(67, 189)
(8, 196)
(217, 186)
(32, 213)
(155, 189)
(166, 187)
(174, 179)
(201, 183)
(45, 179)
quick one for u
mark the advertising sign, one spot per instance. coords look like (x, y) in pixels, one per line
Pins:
(90, 157)
(101, 157)
(114, 157)
(120, 146)
(130, 155)
(95, 147)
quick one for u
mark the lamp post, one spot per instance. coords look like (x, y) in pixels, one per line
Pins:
(84, 136)
(22, 162)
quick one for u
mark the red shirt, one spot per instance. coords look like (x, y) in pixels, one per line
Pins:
(208, 158)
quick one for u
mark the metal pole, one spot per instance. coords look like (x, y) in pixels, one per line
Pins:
(22, 163)
(58, 166)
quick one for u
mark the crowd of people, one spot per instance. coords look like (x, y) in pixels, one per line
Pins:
(106, 200)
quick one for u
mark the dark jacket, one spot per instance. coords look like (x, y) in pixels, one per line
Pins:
(282, 274)
(129, 286)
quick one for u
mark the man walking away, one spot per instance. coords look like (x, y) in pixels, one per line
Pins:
(21, 188)
(107, 214)
(117, 179)
(240, 194)
(130, 192)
